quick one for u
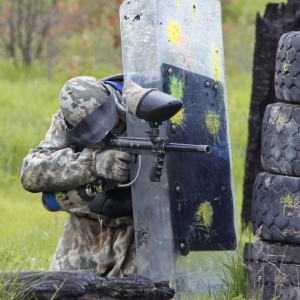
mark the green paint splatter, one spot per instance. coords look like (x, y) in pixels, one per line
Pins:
(205, 213)
(287, 201)
(176, 87)
(212, 123)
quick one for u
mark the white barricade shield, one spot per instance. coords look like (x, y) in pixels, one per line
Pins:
(184, 224)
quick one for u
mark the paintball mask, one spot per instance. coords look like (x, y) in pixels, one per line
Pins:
(90, 108)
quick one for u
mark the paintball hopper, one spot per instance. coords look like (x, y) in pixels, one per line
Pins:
(149, 104)
(157, 107)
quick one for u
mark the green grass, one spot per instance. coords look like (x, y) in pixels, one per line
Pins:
(12, 287)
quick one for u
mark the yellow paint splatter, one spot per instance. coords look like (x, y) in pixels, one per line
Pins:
(205, 213)
(216, 63)
(178, 118)
(285, 68)
(174, 32)
(212, 123)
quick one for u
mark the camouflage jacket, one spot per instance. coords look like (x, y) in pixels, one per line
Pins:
(56, 164)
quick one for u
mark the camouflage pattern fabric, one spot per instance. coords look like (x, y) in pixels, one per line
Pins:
(102, 244)
(56, 164)
(80, 96)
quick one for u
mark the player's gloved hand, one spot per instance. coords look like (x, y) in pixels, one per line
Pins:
(132, 95)
(113, 164)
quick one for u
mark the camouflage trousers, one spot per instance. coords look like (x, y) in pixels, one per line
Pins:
(103, 244)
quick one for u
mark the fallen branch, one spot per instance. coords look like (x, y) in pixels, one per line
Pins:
(85, 285)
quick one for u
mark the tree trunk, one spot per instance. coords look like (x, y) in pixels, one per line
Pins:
(82, 285)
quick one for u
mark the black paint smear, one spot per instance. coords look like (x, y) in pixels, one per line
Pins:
(137, 17)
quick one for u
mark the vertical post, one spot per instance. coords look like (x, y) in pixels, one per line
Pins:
(276, 20)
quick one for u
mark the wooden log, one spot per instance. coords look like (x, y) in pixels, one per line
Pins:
(278, 19)
(83, 285)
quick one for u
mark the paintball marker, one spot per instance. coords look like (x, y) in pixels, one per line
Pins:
(155, 108)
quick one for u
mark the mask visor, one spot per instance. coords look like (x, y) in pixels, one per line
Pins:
(95, 126)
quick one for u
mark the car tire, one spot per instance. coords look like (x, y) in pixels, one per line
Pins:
(280, 149)
(276, 208)
(273, 270)
(287, 68)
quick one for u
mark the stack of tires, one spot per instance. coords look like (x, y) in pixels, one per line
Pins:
(273, 261)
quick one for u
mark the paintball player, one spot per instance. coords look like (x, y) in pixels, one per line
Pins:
(99, 233)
